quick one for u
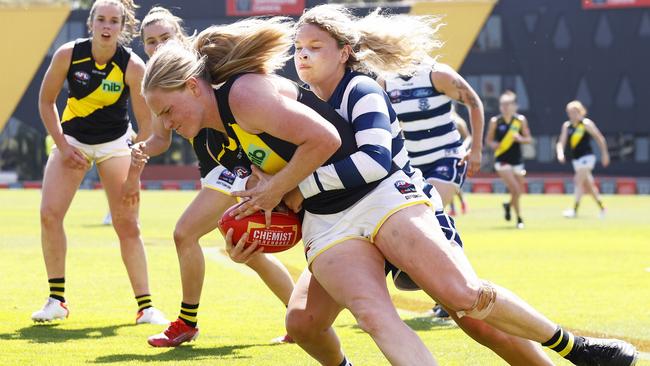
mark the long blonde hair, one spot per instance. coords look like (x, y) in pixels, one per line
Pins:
(129, 22)
(219, 52)
(380, 43)
(160, 14)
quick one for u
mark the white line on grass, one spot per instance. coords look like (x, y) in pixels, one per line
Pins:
(644, 356)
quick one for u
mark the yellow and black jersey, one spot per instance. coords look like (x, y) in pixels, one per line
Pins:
(509, 150)
(96, 110)
(272, 154)
(579, 141)
(213, 148)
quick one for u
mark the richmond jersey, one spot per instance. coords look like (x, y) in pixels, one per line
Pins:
(96, 110)
(579, 143)
(509, 150)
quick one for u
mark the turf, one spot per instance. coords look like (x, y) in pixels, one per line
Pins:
(587, 274)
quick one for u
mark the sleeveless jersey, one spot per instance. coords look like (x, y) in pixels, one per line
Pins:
(96, 110)
(272, 154)
(426, 116)
(509, 150)
(579, 142)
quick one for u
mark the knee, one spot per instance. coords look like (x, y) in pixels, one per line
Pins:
(126, 226)
(51, 217)
(472, 300)
(372, 320)
(182, 235)
(515, 191)
(302, 326)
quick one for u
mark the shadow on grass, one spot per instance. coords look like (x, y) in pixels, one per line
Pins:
(422, 323)
(183, 353)
(51, 333)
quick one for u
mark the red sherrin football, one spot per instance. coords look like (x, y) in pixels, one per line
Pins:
(283, 234)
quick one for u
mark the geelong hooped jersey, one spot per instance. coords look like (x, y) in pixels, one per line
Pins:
(509, 150)
(426, 116)
(579, 141)
(96, 110)
(272, 154)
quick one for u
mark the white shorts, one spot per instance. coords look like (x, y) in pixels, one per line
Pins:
(364, 219)
(585, 162)
(518, 169)
(219, 179)
(98, 153)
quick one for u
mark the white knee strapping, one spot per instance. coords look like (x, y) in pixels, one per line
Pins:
(487, 297)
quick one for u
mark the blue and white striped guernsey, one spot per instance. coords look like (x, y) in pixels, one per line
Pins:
(426, 116)
(361, 101)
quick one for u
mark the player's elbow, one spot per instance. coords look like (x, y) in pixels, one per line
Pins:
(329, 142)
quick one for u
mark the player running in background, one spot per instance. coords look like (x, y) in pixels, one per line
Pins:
(94, 128)
(203, 213)
(506, 132)
(423, 101)
(576, 137)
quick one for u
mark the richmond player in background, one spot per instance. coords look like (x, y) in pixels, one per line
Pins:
(94, 128)
(506, 132)
(203, 213)
(575, 138)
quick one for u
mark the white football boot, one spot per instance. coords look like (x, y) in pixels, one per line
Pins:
(53, 309)
(569, 214)
(151, 316)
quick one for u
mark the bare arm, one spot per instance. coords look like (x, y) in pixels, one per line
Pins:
(525, 136)
(561, 142)
(133, 78)
(591, 128)
(259, 107)
(50, 87)
(448, 81)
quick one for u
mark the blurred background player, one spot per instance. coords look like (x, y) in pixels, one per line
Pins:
(94, 128)
(506, 132)
(423, 103)
(576, 135)
(203, 213)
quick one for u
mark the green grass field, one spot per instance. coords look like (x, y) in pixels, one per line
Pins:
(588, 274)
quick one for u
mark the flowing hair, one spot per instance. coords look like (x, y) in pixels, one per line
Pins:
(129, 22)
(252, 45)
(219, 52)
(380, 43)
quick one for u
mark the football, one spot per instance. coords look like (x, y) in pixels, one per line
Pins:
(283, 234)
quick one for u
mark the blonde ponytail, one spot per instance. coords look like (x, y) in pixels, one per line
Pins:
(251, 45)
(129, 21)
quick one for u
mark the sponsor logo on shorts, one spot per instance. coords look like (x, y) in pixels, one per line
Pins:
(443, 171)
(227, 176)
(241, 172)
(405, 187)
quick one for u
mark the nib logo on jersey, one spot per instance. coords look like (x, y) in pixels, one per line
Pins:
(112, 86)
(276, 235)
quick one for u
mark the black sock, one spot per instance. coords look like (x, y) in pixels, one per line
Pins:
(563, 342)
(575, 207)
(600, 204)
(57, 288)
(188, 314)
(144, 302)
